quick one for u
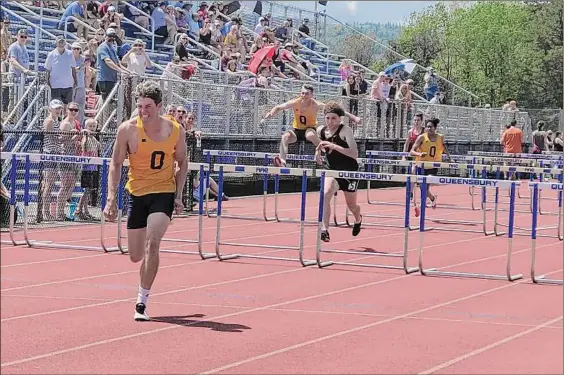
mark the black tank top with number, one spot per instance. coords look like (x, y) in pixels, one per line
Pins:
(334, 159)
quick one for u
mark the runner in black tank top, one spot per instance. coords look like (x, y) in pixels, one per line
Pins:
(340, 152)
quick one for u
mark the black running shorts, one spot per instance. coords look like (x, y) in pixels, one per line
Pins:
(141, 207)
(346, 185)
(431, 172)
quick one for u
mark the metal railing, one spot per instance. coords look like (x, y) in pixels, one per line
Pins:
(150, 33)
(234, 111)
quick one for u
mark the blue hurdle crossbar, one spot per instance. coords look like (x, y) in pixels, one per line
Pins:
(425, 180)
(304, 173)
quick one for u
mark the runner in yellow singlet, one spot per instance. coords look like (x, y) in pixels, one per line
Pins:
(429, 146)
(305, 121)
(153, 145)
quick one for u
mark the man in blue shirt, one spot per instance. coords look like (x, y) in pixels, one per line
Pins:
(108, 64)
(76, 9)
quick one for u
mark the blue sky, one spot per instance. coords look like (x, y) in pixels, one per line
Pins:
(366, 11)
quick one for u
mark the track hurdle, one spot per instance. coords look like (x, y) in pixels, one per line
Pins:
(66, 160)
(304, 173)
(267, 158)
(12, 201)
(425, 180)
(536, 188)
(365, 176)
(202, 168)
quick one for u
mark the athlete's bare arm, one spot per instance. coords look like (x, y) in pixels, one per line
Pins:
(351, 152)
(416, 146)
(274, 111)
(181, 157)
(449, 159)
(119, 154)
(320, 106)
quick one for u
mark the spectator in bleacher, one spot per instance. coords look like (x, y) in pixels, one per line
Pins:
(90, 70)
(136, 16)
(284, 32)
(352, 89)
(558, 142)
(205, 33)
(259, 28)
(380, 93)
(19, 60)
(179, 69)
(136, 59)
(404, 95)
(269, 35)
(171, 28)
(90, 177)
(108, 64)
(194, 32)
(92, 14)
(436, 99)
(6, 38)
(202, 13)
(103, 8)
(79, 94)
(69, 173)
(61, 72)
(540, 141)
(234, 42)
(181, 21)
(227, 27)
(512, 139)
(114, 18)
(345, 69)
(77, 10)
(181, 47)
(180, 115)
(431, 86)
(216, 36)
(268, 19)
(51, 145)
(305, 39)
(258, 44)
(158, 18)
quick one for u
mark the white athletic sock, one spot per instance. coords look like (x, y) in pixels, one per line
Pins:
(142, 295)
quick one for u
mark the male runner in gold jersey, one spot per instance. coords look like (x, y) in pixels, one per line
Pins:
(153, 143)
(304, 124)
(429, 146)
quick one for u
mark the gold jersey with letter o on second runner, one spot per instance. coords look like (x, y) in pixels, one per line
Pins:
(433, 149)
(304, 119)
(151, 168)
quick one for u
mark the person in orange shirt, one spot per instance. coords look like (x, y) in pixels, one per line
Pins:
(512, 139)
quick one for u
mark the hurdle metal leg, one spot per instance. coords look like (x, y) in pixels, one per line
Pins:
(403, 254)
(541, 278)
(434, 272)
(300, 248)
(12, 214)
(45, 244)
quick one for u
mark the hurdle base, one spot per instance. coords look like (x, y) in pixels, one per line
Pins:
(324, 264)
(227, 257)
(543, 280)
(50, 245)
(304, 262)
(434, 272)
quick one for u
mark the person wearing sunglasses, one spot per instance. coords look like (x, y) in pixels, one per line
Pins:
(18, 56)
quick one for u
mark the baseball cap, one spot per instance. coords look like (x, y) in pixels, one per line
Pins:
(111, 32)
(56, 103)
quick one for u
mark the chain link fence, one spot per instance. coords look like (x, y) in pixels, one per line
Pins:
(236, 112)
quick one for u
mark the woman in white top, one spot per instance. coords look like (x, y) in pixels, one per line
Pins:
(136, 59)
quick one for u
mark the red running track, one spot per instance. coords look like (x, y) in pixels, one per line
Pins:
(70, 311)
